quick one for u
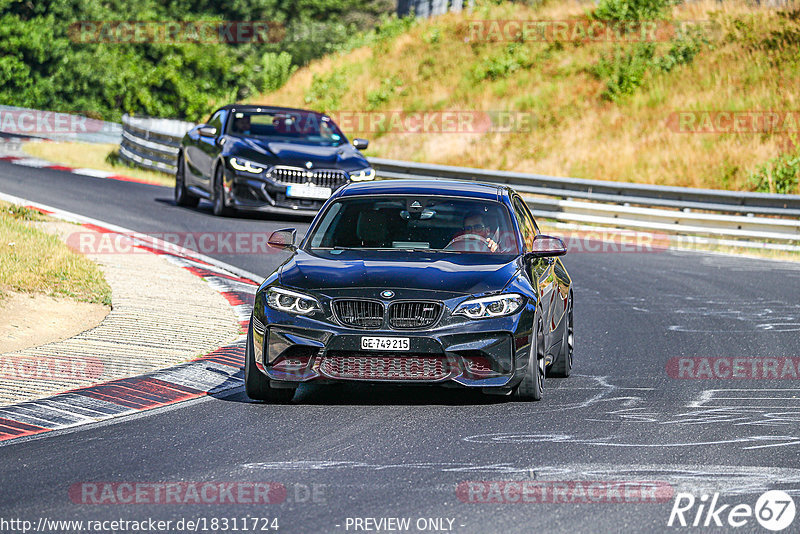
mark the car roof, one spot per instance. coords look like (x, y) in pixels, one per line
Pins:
(256, 107)
(426, 188)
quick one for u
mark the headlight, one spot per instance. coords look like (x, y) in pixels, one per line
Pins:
(246, 166)
(363, 175)
(495, 306)
(291, 301)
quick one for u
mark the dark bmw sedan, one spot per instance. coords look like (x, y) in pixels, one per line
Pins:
(267, 159)
(414, 282)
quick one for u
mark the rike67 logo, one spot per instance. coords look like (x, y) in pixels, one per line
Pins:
(774, 510)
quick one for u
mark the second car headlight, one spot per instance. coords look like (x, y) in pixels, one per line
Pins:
(363, 175)
(289, 301)
(247, 166)
(494, 306)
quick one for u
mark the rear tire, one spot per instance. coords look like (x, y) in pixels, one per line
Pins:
(562, 367)
(532, 386)
(256, 385)
(182, 195)
(220, 208)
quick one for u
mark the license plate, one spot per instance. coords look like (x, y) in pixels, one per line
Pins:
(308, 191)
(385, 343)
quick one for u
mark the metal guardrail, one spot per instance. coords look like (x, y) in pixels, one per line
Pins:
(153, 144)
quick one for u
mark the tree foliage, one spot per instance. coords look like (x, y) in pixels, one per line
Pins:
(44, 65)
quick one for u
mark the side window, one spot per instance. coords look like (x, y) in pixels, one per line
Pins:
(526, 224)
(216, 121)
(533, 221)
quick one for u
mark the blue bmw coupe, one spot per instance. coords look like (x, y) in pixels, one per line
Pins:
(414, 282)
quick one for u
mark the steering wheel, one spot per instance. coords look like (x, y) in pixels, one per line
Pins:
(487, 242)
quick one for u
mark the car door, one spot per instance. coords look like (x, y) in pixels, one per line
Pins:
(562, 279)
(210, 147)
(202, 150)
(541, 269)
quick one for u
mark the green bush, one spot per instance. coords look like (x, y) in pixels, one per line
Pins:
(625, 70)
(326, 91)
(44, 65)
(508, 60)
(384, 93)
(778, 175)
(631, 9)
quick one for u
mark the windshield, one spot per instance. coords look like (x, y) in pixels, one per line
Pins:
(294, 127)
(416, 223)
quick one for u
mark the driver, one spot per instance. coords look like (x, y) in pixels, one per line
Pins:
(241, 125)
(476, 229)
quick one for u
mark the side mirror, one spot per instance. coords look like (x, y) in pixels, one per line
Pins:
(282, 239)
(207, 131)
(546, 246)
(360, 144)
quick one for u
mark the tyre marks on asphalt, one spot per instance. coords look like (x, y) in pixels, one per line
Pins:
(754, 418)
(697, 479)
(218, 371)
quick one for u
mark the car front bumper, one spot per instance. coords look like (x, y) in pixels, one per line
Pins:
(257, 194)
(486, 353)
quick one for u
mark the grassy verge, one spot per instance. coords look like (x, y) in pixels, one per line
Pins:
(597, 110)
(33, 261)
(98, 156)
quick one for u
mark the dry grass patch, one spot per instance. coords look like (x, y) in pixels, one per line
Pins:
(434, 66)
(33, 261)
(93, 156)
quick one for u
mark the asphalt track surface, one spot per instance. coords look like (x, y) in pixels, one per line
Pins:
(378, 452)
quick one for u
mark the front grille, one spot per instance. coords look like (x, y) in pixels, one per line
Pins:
(359, 313)
(332, 178)
(370, 366)
(416, 314)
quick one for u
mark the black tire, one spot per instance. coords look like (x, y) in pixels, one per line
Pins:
(182, 196)
(256, 385)
(562, 366)
(221, 209)
(532, 386)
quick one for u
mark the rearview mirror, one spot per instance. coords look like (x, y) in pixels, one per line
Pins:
(546, 246)
(360, 144)
(282, 239)
(207, 131)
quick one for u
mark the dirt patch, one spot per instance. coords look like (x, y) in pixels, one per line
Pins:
(33, 320)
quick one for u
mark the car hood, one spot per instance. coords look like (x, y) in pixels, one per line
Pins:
(464, 274)
(344, 157)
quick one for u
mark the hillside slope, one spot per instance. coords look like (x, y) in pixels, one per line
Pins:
(597, 110)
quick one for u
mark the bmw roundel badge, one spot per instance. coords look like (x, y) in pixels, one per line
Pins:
(387, 294)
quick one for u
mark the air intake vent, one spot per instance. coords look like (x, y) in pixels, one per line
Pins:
(417, 314)
(332, 178)
(371, 366)
(359, 313)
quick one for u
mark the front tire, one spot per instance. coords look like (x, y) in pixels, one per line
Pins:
(256, 385)
(532, 385)
(182, 195)
(221, 209)
(562, 366)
